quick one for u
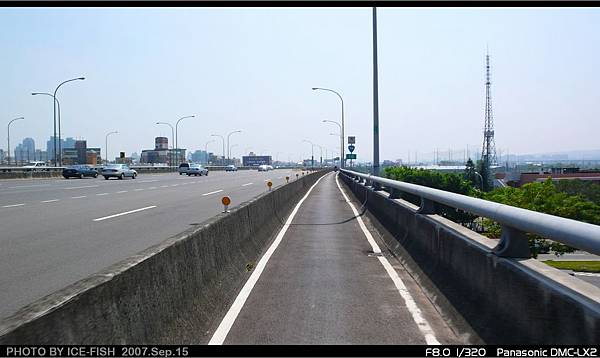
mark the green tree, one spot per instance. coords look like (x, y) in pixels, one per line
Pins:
(452, 182)
(589, 190)
(486, 175)
(546, 198)
(470, 174)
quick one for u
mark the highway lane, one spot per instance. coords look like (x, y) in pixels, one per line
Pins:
(56, 232)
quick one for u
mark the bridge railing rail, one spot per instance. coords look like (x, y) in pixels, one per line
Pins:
(515, 222)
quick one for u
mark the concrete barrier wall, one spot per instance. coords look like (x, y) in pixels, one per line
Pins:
(174, 292)
(504, 301)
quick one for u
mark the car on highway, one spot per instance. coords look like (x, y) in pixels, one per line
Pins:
(183, 168)
(231, 168)
(197, 169)
(35, 165)
(79, 171)
(118, 171)
(265, 168)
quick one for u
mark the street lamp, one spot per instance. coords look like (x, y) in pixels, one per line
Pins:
(59, 133)
(206, 149)
(172, 138)
(231, 148)
(56, 102)
(223, 138)
(312, 155)
(480, 179)
(106, 144)
(321, 158)
(228, 135)
(342, 161)
(8, 152)
(177, 138)
(341, 137)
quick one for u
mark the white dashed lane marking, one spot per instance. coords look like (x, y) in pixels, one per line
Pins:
(213, 192)
(49, 201)
(13, 205)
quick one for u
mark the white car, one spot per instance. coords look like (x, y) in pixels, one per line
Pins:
(263, 168)
(196, 169)
(35, 165)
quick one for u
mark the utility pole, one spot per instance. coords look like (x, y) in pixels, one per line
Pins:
(375, 99)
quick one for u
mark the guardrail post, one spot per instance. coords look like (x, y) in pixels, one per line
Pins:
(395, 194)
(427, 207)
(513, 243)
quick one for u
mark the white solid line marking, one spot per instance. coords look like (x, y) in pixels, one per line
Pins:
(121, 192)
(12, 206)
(213, 192)
(411, 305)
(102, 194)
(49, 201)
(246, 184)
(81, 187)
(227, 322)
(78, 197)
(125, 213)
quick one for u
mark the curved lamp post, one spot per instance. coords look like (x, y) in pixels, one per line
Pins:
(222, 138)
(106, 144)
(312, 155)
(341, 137)
(8, 152)
(177, 138)
(172, 138)
(342, 161)
(228, 148)
(59, 133)
(206, 149)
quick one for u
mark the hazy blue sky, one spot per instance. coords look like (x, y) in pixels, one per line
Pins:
(253, 69)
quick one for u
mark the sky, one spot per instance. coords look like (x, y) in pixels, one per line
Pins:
(252, 69)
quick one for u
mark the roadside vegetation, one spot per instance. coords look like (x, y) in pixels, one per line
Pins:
(579, 266)
(569, 199)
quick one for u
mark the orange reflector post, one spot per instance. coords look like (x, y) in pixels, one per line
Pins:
(269, 184)
(226, 201)
(287, 179)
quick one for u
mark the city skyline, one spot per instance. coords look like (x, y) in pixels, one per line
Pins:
(232, 71)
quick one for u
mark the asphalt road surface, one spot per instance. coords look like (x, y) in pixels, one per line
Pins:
(322, 285)
(54, 232)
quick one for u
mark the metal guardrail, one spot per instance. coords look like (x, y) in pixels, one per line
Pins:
(515, 222)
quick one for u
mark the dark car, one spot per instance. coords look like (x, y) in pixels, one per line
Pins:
(79, 171)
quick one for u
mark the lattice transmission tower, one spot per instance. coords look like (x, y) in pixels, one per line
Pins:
(488, 151)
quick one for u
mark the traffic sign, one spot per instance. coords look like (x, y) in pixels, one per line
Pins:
(351, 148)
(350, 156)
(351, 139)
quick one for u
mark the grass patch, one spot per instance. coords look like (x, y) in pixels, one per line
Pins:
(581, 266)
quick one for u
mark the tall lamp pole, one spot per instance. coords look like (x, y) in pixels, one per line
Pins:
(228, 149)
(172, 138)
(223, 138)
(56, 102)
(341, 139)
(106, 144)
(321, 157)
(342, 159)
(59, 134)
(312, 152)
(206, 149)
(8, 139)
(375, 99)
(177, 137)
